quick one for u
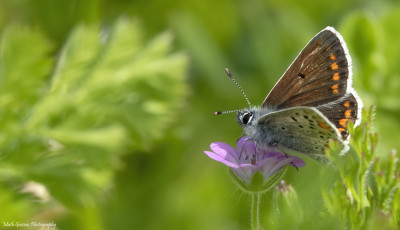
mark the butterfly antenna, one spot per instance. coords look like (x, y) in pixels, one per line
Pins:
(240, 88)
(224, 112)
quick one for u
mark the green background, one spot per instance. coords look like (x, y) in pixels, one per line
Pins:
(109, 104)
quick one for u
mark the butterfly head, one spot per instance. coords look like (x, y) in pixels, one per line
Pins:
(246, 117)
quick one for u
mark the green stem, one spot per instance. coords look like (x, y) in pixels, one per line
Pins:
(255, 211)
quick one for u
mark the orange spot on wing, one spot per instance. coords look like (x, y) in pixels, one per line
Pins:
(341, 130)
(323, 125)
(343, 122)
(332, 56)
(347, 104)
(335, 89)
(347, 113)
(334, 66)
(336, 77)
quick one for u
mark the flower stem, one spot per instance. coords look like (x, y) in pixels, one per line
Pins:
(255, 211)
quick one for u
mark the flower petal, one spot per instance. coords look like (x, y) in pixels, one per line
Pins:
(272, 165)
(298, 162)
(252, 159)
(245, 172)
(222, 148)
(247, 145)
(246, 149)
(239, 143)
(226, 152)
(221, 159)
(269, 166)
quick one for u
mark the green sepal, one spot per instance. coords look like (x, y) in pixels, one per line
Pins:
(257, 184)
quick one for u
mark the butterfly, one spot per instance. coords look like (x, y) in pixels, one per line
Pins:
(310, 104)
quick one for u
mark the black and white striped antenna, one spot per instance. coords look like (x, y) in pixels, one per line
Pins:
(241, 90)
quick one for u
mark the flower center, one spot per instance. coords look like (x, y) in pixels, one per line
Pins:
(250, 158)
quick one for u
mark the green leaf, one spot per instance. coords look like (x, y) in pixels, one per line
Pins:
(116, 81)
(364, 40)
(25, 67)
(111, 92)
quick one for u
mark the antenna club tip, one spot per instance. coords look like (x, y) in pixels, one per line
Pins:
(217, 113)
(228, 72)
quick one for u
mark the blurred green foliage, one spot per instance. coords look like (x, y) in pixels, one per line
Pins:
(367, 186)
(110, 113)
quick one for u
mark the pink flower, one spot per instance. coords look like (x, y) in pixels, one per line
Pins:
(251, 161)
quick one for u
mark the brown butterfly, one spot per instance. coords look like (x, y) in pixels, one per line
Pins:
(311, 103)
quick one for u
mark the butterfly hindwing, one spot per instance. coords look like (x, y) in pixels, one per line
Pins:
(341, 111)
(301, 129)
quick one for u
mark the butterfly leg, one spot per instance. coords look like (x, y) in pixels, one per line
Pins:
(275, 144)
(254, 157)
(291, 163)
(241, 151)
(240, 155)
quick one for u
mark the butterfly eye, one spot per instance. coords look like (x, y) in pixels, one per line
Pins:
(247, 117)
